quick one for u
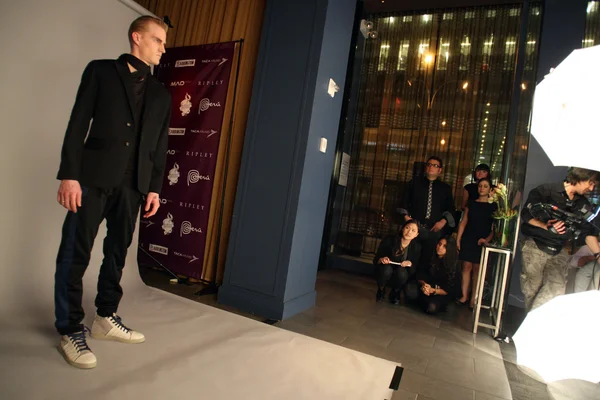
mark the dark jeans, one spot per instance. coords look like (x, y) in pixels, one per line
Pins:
(120, 207)
(392, 276)
(429, 304)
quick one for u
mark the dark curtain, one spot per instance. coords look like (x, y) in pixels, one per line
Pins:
(432, 83)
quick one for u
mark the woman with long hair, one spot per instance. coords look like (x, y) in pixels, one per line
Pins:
(396, 261)
(474, 230)
(437, 280)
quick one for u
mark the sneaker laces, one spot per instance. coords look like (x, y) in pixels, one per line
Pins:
(117, 321)
(79, 341)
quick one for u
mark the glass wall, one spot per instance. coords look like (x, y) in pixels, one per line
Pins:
(436, 83)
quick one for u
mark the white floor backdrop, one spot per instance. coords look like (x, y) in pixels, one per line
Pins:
(191, 349)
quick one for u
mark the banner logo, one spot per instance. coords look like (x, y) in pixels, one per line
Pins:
(179, 83)
(185, 63)
(159, 249)
(186, 105)
(191, 205)
(147, 222)
(221, 61)
(174, 175)
(209, 132)
(168, 224)
(187, 228)
(163, 201)
(176, 131)
(194, 176)
(209, 83)
(192, 258)
(205, 104)
(171, 152)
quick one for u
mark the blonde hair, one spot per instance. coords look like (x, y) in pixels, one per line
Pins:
(140, 24)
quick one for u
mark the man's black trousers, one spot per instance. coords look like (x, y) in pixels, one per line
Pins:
(120, 207)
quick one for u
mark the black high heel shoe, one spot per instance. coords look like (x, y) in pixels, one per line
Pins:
(461, 303)
(380, 295)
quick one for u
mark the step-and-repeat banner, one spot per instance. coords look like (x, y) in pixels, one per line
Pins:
(198, 78)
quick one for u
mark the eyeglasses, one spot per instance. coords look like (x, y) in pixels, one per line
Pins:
(433, 165)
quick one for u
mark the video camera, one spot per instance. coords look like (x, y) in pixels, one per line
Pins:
(576, 223)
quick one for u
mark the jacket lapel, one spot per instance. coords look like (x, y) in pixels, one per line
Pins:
(124, 72)
(151, 95)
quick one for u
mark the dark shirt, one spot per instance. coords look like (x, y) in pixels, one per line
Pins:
(137, 83)
(415, 200)
(555, 194)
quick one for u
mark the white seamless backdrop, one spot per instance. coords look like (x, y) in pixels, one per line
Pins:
(46, 45)
(191, 349)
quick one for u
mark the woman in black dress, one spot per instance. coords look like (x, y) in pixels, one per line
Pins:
(471, 191)
(396, 261)
(437, 281)
(474, 230)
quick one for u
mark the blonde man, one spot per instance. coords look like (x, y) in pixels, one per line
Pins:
(107, 171)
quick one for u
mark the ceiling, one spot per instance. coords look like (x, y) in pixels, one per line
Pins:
(379, 6)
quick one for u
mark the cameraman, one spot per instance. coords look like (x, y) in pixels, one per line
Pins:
(545, 260)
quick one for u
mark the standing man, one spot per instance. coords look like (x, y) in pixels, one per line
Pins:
(109, 175)
(545, 259)
(429, 201)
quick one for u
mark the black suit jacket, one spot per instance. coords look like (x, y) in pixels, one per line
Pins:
(105, 98)
(415, 200)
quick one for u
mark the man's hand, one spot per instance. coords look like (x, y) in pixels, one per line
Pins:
(481, 242)
(152, 204)
(69, 194)
(384, 260)
(406, 264)
(557, 226)
(439, 225)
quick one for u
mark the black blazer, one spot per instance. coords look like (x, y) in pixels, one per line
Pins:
(390, 244)
(105, 99)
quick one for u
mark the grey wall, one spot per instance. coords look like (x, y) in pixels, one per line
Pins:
(45, 47)
(563, 27)
(284, 180)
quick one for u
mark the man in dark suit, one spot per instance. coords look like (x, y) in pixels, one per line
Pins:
(429, 201)
(108, 170)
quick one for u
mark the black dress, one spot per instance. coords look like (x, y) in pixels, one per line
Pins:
(478, 226)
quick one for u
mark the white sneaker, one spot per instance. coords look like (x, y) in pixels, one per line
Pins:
(75, 350)
(111, 328)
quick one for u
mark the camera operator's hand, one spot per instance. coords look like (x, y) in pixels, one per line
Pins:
(557, 226)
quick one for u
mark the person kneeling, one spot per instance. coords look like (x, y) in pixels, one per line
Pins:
(436, 283)
(396, 261)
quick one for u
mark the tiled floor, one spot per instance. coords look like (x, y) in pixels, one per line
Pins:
(443, 360)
